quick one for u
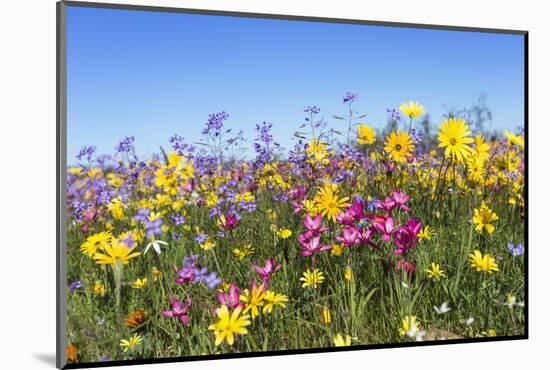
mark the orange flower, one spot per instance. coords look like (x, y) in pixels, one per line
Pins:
(72, 353)
(136, 318)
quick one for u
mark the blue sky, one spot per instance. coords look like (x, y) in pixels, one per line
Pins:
(150, 75)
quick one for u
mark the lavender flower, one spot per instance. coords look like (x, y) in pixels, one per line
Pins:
(86, 152)
(153, 227)
(77, 284)
(393, 115)
(126, 145)
(517, 250)
(350, 97)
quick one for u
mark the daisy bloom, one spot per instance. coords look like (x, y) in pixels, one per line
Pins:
(399, 146)
(365, 135)
(229, 324)
(412, 109)
(426, 233)
(513, 139)
(241, 253)
(115, 251)
(436, 272)
(483, 216)
(483, 263)
(325, 315)
(454, 137)
(312, 279)
(272, 299)
(253, 299)
(284, 233)
(96, 241)
(329, 204)
(340, 341)
(140, 283)
(99, 289)
(131, 343)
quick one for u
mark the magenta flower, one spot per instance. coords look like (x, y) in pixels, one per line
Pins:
(298, 206)
(385, 226)
(228, 222)
(356, 210)
(312, 246)
(231, 298)
(179, 310)
(313, 226)
(387, 205)
(345, 218)
(270, 267)
(407, 236)
(350, 236)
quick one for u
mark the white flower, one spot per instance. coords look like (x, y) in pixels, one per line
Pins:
(469, 321)
(511, 302)
(416, 333)
(155, 244)
(444, 308)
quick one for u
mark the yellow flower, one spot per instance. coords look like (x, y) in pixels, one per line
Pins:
(325, 315)
(399, 146)
(483, 216)
(348, 273)
(115, 250)
(116, 208)
(131, 343)
(157, 274)
(284, 233)
(93, 242)
(337, 249)
(140, 283)
(483, 263)
(317, 150)
(408, 323)
(328, 202)
(99, 289)
(312, 279)
(453, 136)
(426, 233)
(243, 252)
(412, 109)
(513, 139)
(253, 299)
(339, 341)
(310, 207)
(273, 299)
(436, 272)
(229, 324)
(365, 135)
(208, 245)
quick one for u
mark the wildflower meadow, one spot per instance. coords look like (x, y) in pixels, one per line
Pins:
(354, 236)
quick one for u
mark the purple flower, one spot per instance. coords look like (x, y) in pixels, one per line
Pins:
(270, 267)
(178, 219)
(77, 284)
(349, 97)
(143, 214)
(153, 227)
(201, 237)
(393, 115)
(517, 250)
(350, 236)
(312, 246)
(179, 310)
(125, 145)
(86, 152)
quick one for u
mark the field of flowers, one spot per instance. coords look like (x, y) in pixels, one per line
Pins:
(352, 237)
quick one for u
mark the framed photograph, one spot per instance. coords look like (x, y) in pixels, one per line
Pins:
(234, 184)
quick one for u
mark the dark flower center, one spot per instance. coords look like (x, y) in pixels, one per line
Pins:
(452, 141)
(398, 147)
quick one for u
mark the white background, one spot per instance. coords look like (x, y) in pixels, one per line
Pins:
(27, 182)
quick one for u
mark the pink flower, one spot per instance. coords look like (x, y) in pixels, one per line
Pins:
(385, 226)
(231, 298)
(179, 310)
(408, 267)
(345, 218)
(298, 206)
(228, 222)
(313, 226)
(270, 267)
(312, 246)
(356, 210)
(400, 199)
(350, 236)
